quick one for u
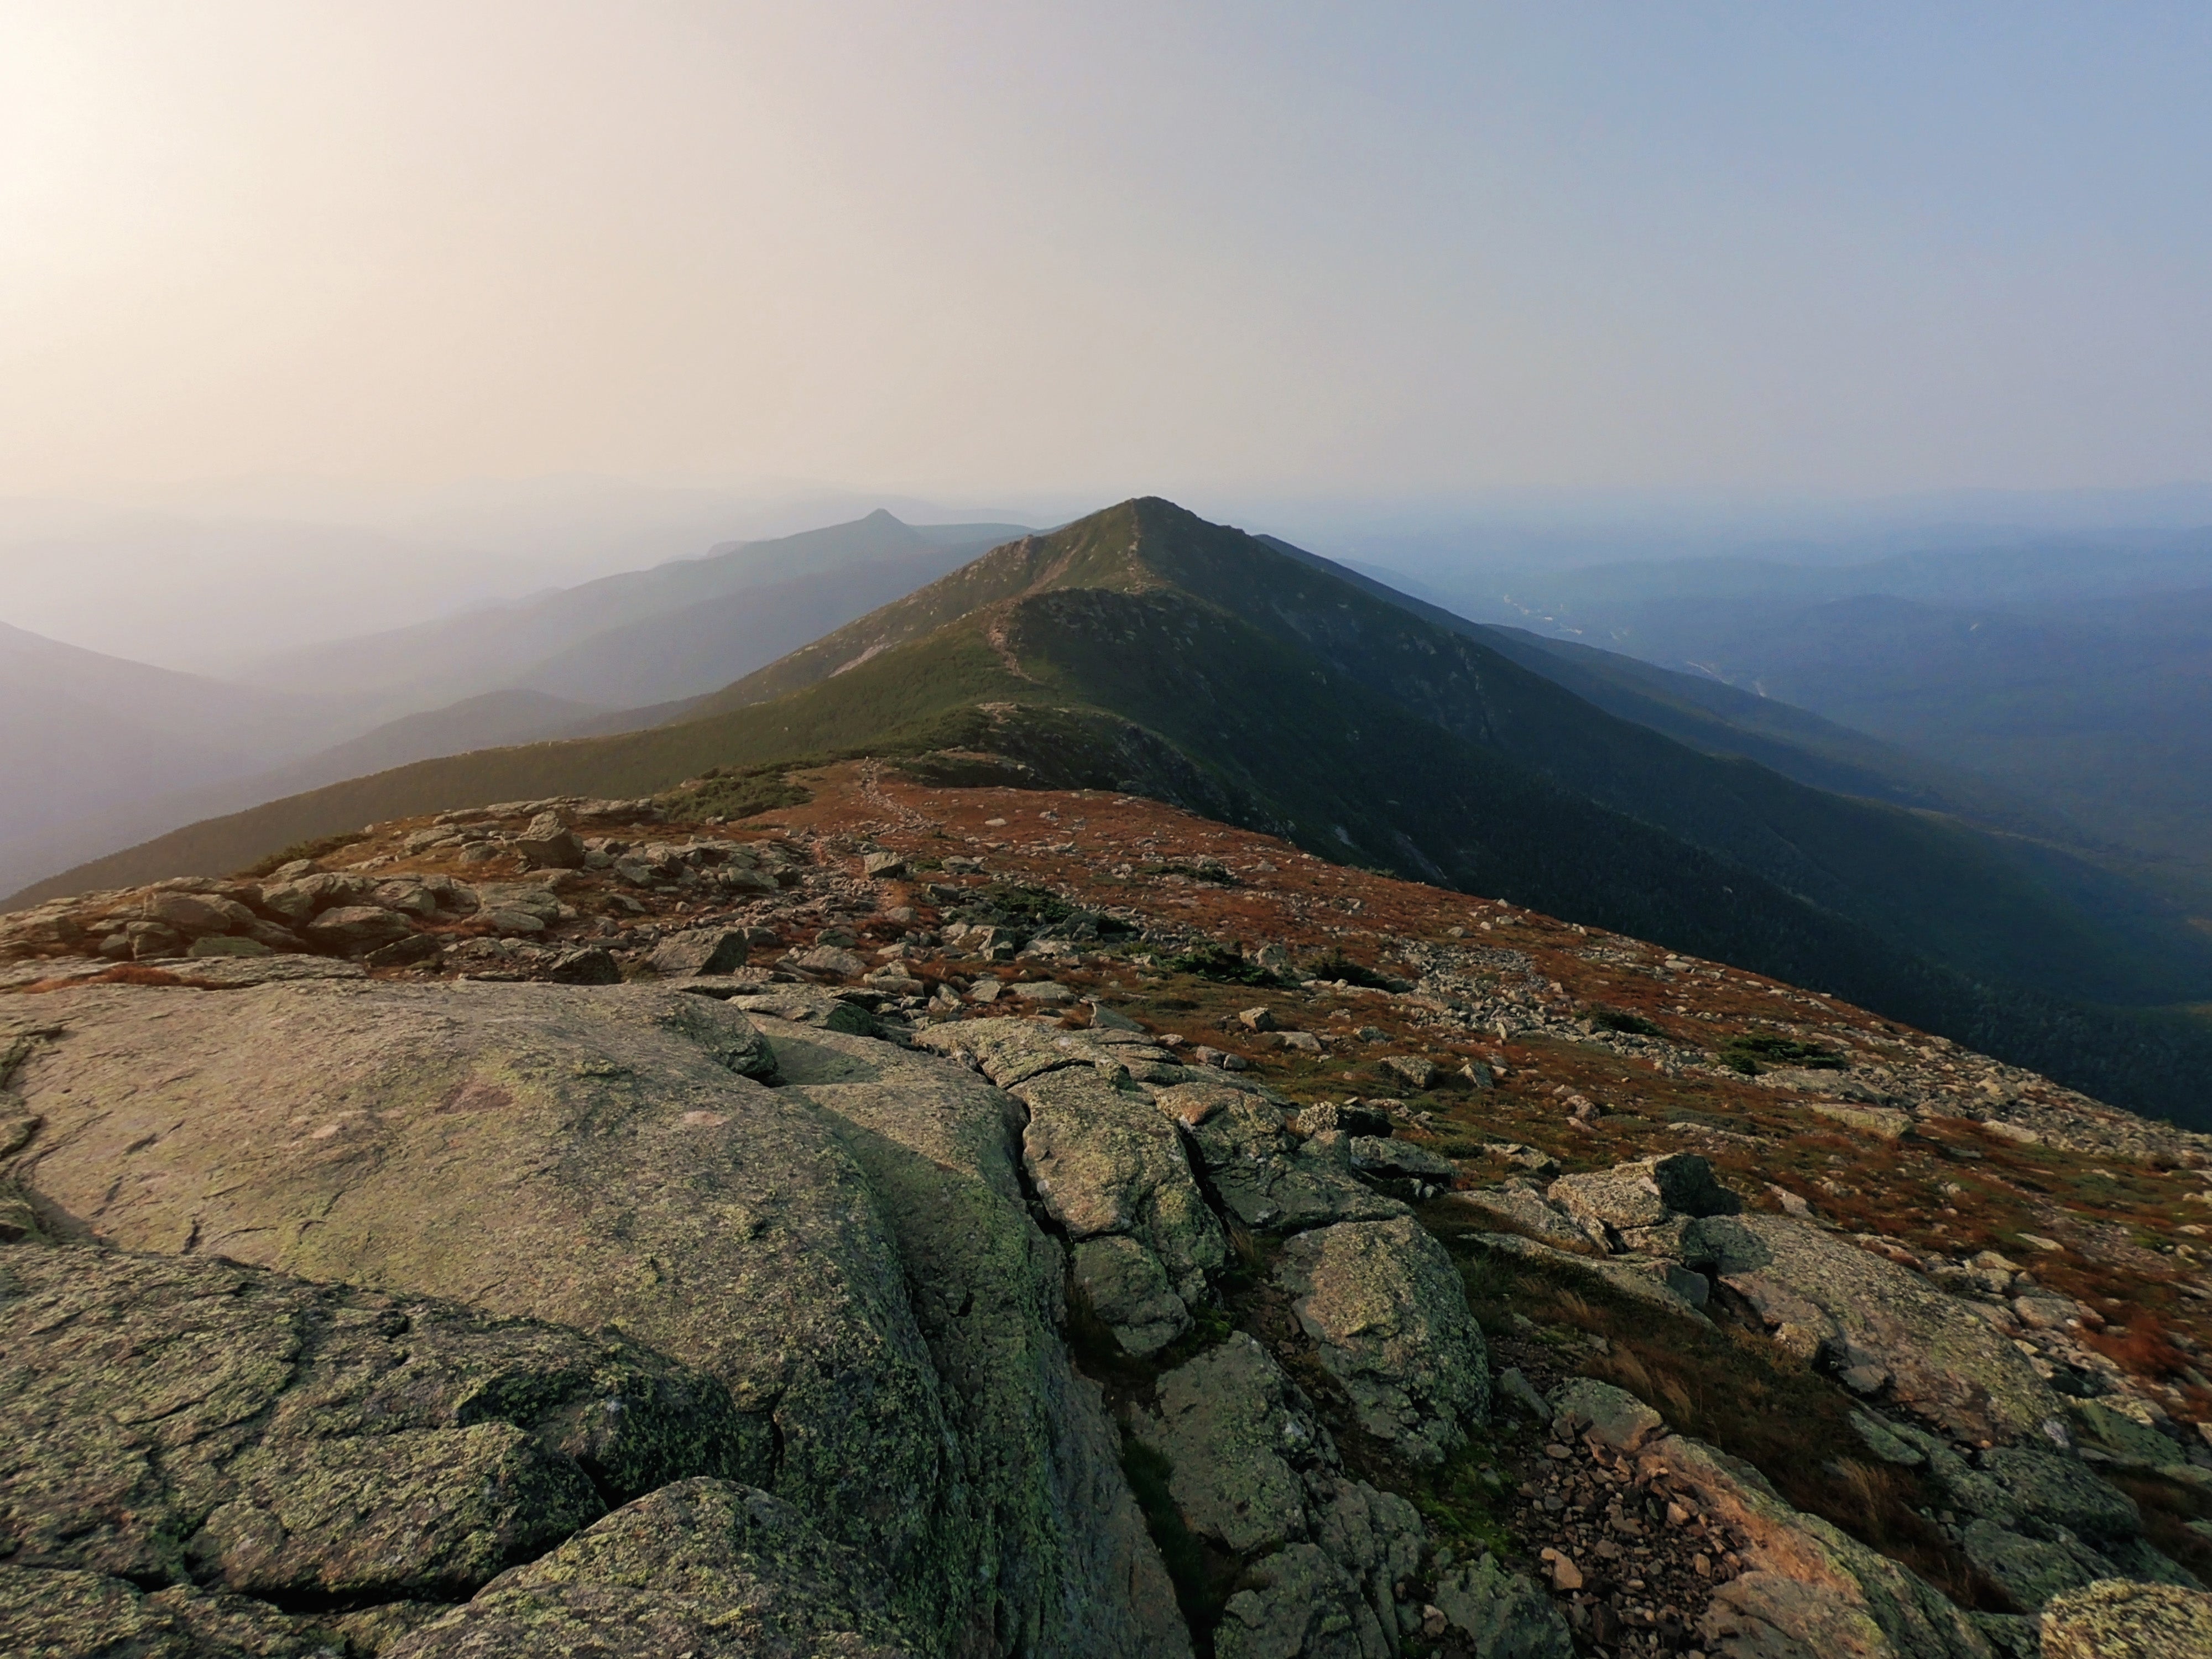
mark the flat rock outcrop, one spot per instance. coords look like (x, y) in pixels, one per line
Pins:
(700, 1567)
(1886, 1330)
(187, 1420)
(596, 1156)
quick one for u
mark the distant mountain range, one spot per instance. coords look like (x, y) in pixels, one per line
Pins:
(2075, 679)
(1144, 650)
(115, 751)
(676, 630)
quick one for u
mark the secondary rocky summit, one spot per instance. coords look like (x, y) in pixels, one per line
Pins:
(581, 1227)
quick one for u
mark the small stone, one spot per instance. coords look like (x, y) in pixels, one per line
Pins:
(1565, 1575)
(1257, 1019)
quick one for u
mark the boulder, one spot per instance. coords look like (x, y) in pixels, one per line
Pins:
(1264, 1178)
(1104, 1161)
(1517, 1205)
(1297, 1606)
(590, 965)
(1237, 1432)
(830, 962)
(1622, 1198)
(300, 899)
(1387, 1314)
(1633, 1279)
(699, 950)
(1642, 1195)
(1411, 1070)
(1400, 1160)
(883, 866)
(195, 916)
(1128, 1292)
(224, 944)
(1612, 1417)
(48, 1613)
(1350, 1118)
(1505, 1615)
(356, 928)
(549, 844)
(701, 1567)
(1011, 1052)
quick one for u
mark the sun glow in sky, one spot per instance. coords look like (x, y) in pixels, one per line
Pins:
(978, 249)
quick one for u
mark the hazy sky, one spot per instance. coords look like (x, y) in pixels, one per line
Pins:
(986, 251)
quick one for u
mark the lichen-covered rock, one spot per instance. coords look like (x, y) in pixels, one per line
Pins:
(2041, 1521)
(1688, 1186)
(56, 1612)
(2098, 1423)
(1634, 1279)
(2030, 1570)
(1611, 1416)
(1622, 1198)
(1807, 1587)
(702, 1567)
(1884, 1327)
(1105, 1160)
(2120, 1620)
(1395, 1159)
(578, 1155)
(176, 1419)
(1505, 1615)
(1128, 1292)
(1267, 1179)
(1011, 1052)
(1387, 1314)
(699, 950)
(1300, 1605)
(2055, 1490)
(1253, 1471)
(1061, 1553)
(1375, 1537)
(1642, 1195)
(1237, 1431)
(357, 927)
(1517, 1205)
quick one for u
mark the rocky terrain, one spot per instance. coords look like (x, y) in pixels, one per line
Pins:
(965, 1221)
